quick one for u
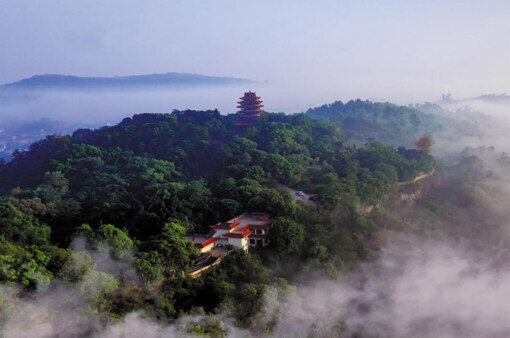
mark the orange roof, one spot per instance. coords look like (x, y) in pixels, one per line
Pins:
(209, 241)
(238, 234)
(246, 227)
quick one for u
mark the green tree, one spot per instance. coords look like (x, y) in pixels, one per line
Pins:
(21, 228)
(286, 236)
(117, 240)
(26, 266)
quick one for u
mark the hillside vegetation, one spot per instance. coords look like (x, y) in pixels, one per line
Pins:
(137, 188)
(387, 122)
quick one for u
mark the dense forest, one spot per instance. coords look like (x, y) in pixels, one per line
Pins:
(128, 195)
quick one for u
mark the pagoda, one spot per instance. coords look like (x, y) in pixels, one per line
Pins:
(250, 110)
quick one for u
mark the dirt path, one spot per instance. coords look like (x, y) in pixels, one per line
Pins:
(418, 178)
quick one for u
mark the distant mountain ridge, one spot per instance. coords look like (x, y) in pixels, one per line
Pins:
(57, 81)
(501, 98)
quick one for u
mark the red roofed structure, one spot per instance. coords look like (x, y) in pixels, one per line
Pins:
(250, 109)
(209, 242)
(238, 234)
(203, 243)
(249, 229)
(258, 225)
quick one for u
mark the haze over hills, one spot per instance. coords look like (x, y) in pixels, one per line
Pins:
(58, 81)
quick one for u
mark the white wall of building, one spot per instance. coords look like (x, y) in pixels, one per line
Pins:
(207, 248)
(241, 243)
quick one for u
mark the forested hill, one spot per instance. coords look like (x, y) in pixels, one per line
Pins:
(57, 81)
(152, 167)
(387, 122)
(139, 187)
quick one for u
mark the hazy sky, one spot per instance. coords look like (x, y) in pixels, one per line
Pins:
(376, 49)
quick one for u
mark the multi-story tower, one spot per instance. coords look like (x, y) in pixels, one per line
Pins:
(250, 109)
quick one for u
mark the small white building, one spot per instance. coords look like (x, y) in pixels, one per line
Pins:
(257, 222)
(243, 231)
(249, 229)
(202, 243)
(239, 237)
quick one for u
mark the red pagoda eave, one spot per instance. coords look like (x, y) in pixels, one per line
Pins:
(248, 101)
(250, 97)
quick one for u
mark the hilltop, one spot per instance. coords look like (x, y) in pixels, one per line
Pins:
(387, 122)
(172, 80)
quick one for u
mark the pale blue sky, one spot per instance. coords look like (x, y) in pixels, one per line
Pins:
(358, 48)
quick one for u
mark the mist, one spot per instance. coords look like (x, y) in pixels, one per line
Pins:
(478, 124)
(442, 265)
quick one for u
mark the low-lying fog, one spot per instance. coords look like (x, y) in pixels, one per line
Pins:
(102, 107)
(110, 106)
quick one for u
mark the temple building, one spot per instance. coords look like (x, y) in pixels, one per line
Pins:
(244, 231)
(248, 229)
(250, 109)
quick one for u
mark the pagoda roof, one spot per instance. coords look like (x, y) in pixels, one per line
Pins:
(243, 110)
(250, 94)
(255, 98)
(244, 104)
